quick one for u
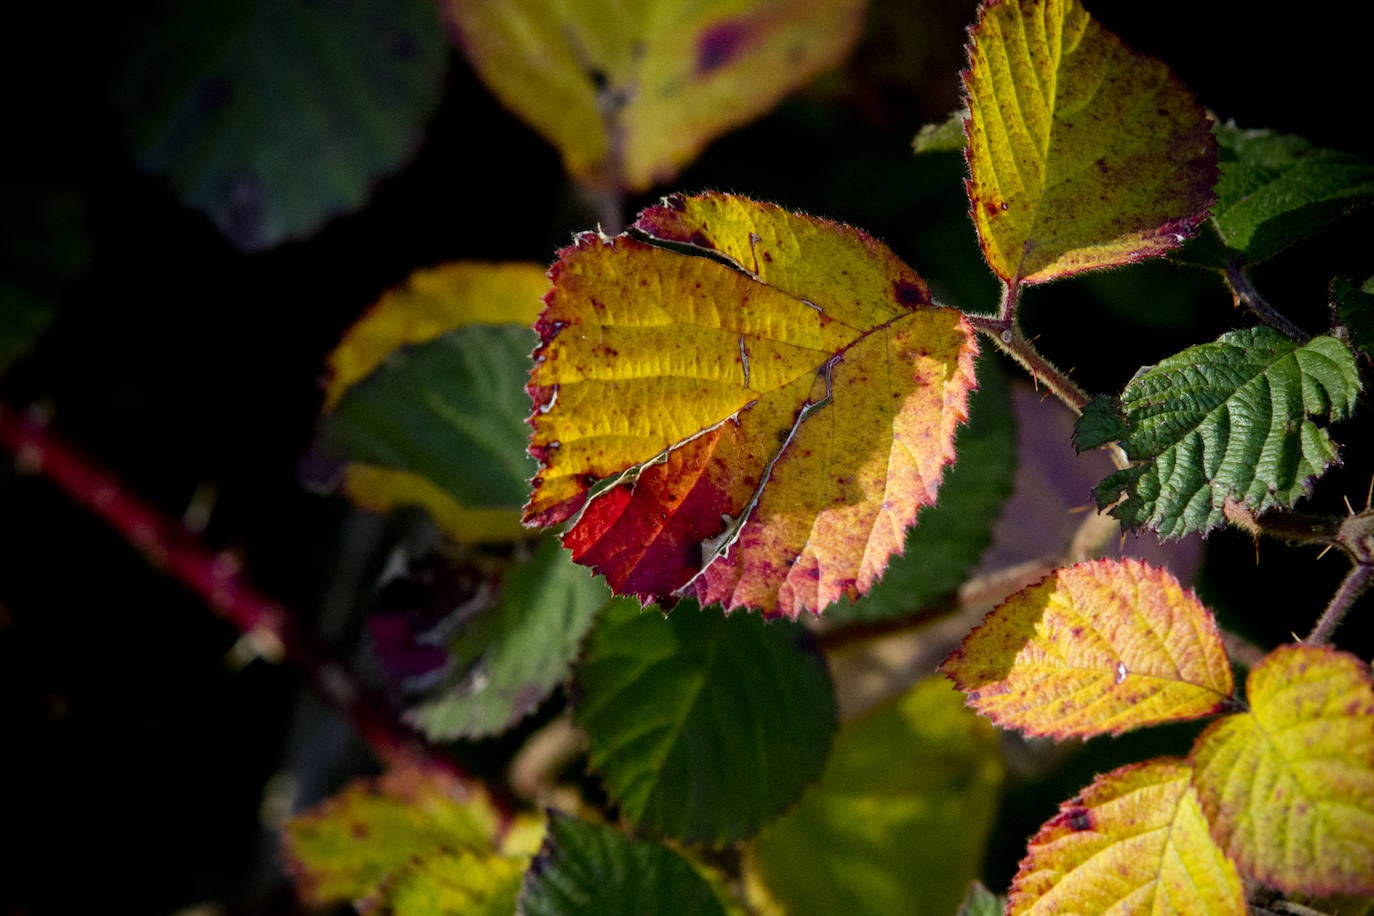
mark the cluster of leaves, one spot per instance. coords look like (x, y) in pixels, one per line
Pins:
(730, 407)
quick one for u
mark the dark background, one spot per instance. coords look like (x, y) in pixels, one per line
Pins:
(134, 758)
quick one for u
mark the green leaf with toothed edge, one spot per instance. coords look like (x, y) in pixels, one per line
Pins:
(1354, 309)
(1233, 419)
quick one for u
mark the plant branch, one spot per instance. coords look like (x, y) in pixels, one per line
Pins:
(268, 628)
(1351, 588)
(1246, 294)
(1006, 334)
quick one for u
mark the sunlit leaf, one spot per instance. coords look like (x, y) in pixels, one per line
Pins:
(272, 117)
(1354, 309)
(447, 882)
(1135, 841)
(1277, 190)
(1082, 152)
(942, 136)
(1289, 786)
(344, 849)
(898, 821)
(589, 869)
(630, 93)
(979, 901)
(758, 433)
(424, 400)
(1097, 648)
(702, 726)
(516, 653)
(1232, 419)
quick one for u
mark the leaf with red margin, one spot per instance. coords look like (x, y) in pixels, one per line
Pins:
(1289, 786)
(741, 404)
(1135, 841)
(1097, 648)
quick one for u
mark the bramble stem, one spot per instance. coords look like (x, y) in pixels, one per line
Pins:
(1352, 587)
(267, 627)
(1006, 334)
(1246, 294)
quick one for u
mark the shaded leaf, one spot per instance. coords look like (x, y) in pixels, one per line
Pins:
(1096, 648)
(954, 532)
(1354, 309)
(898, 821)
(23, 318)
(702, 726)
(1219, 421)
(1277, 190)
(589, 869)
(759, 433)
(979, 901)
(1289, 786)
(1135, 841)
(1082, 152)
(347, 847)
(516, 653)
(44, 248)
(629, 94)
(272, 117)
(424, 399)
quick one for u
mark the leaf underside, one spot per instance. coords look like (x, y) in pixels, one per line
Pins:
(1233, 419)
(757, 427)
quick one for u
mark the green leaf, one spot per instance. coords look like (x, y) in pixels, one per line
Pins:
(1354, 308)
(703, 726)
(448, 881)
(451, 409)
(516, 653)
(979, 901)
(272, 117)
(1278, 189)
(945, 136)
(1232, 419)
(952, 534)
(898, 822)
(595, 870)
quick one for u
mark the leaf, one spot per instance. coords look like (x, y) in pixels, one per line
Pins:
(979, 901)
(1289, 786)
(44, 250)
(272, 117)
(1096, 648)
(1277, 190)
(629, 94)
(702, 726)
(1082, 153)
(1135, 841)
(424, 403)
(954, 532)
(513, 656)
(1354, 309)
(448, 882)
(595, 870)
(1219, 421)
(898, 821)
(945, 136)
(760, 432)
(344, 849)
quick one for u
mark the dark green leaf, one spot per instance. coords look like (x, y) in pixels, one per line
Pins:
(951, 535)
(703, 726)
(271, 117)
(1277, 190)
(44, 247)
(516, 653)
(451, 410)
(1354, 307)
(1230, 419)
(589, 869)
(22, 319)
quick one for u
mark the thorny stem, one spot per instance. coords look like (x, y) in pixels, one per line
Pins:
(1352, 587)
(1008, 337)
(267, 627)
(1246, 294)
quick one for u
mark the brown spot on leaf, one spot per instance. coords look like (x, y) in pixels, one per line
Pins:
(1079, 819)
(719, 45)
(908, 293)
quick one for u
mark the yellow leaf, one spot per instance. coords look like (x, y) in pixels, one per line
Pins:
(631, 92)
(1289, 786)
(1096, 648)
(383, 489)
(1082, 152)
(1135, 841)
(758, 435)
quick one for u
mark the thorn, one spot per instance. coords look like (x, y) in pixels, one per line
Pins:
(1325, 551)
(1346, 500)
(1369, 496)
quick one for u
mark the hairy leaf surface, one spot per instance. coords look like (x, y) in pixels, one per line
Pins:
(1135, 841)
(1097, 648)
(898, 821)
(630, 93)
(1226, 420)
(703, 726)
(1082, 153)
(1289, 786)
(587, 869)
(751, 410)
(424, 403)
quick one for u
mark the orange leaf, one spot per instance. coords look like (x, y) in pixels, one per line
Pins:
(1096, 648)
(1289, 786)
(1082, 153)
(1135, 841)
(759, 432)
